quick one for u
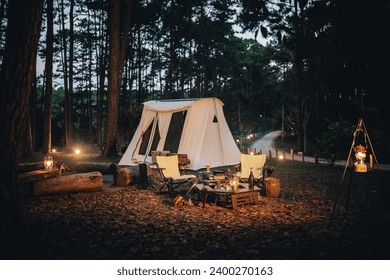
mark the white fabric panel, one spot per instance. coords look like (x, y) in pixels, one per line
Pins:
(194, 131)
(256, 162)
(164, 119)
(211, 147)
(231, 152)
(170, 165)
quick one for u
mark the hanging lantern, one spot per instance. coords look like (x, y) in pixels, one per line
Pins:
(48, 162)
(360, 156)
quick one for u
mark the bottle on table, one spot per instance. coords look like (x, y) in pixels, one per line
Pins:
(251, 180)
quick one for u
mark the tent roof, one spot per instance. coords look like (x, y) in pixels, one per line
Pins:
(170, 105)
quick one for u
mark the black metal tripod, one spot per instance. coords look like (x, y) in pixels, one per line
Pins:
(360, 131)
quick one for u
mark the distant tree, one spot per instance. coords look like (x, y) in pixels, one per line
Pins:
(16, 79)
(68, 108)
(70, 96)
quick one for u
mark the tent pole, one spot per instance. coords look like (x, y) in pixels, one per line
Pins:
(219, 131)
(151, 136)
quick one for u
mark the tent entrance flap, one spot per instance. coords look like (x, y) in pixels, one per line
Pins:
(150, 139)
(175, 131)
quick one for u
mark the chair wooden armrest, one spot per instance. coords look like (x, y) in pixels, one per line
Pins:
(157, 168)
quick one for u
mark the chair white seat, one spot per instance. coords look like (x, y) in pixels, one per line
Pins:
(168, 167)
(254, 162)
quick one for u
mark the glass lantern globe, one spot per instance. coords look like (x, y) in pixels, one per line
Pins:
(48, 162)
(360, 157)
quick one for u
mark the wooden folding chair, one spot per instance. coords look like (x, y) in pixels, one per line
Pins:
(169, 175)
(256, 162)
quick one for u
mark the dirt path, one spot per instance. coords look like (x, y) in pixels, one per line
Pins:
(266, 142)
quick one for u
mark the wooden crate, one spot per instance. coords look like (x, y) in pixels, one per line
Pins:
(241, 198)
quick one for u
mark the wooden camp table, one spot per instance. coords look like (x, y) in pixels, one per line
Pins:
(242, 196)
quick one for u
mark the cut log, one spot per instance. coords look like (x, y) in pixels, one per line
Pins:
(102, 167)
(125, 175)
(92, 181)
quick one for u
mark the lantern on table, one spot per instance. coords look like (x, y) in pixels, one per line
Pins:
(48, 162)
(234, 182)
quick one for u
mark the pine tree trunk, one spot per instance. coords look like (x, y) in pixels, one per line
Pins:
(16, 79)
(70, 72)
(114, 80)
(118, 44)
(46, 148)
(298, 27)
(68, 133)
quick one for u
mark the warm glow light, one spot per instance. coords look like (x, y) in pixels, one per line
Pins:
(234, 183)
(77, 151)
(281, 157)
(48, 162)
(53, 150)
(252, 153)
(208, 166)
(360, 156)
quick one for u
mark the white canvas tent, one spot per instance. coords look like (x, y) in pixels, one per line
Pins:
(196, 127)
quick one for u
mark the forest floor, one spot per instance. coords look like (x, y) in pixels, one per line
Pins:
(137, 223)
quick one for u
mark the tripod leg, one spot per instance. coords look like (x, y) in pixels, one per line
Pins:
(334, 206)
(348, 194)
(341, 185)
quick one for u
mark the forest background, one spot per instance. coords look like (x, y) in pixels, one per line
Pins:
(324, 66)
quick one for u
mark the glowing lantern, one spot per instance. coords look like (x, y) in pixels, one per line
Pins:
(77, 151)
(48, 162)
(208, 166)
(234, 182)
(360, 156)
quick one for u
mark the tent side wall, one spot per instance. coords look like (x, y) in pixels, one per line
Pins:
(207, 137)
(194, 133)
(231, 152)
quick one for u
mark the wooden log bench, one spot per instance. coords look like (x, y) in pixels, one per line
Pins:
(102, 167)
(79, 182)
